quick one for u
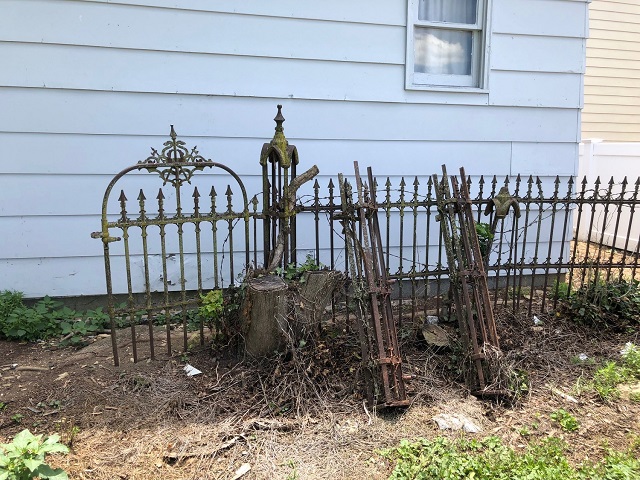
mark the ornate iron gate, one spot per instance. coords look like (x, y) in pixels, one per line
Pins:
(198, 241)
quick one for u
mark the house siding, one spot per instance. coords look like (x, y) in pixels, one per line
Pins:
(612, 79)
(91, 85)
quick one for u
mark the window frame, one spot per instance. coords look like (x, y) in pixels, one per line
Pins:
(478, 81)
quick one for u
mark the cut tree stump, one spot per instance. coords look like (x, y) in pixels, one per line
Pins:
(276, 315)
(313, 297)
(264, 315)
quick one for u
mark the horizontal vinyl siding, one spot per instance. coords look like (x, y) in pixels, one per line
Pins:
(612, 79)
(92, 85)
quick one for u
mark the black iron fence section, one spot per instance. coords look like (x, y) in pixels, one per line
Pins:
(554, 238)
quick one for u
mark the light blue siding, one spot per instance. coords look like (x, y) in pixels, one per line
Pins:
(87, 87)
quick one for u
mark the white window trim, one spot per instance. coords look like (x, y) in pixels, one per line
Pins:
(478, 81)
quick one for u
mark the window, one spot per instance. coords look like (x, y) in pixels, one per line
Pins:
(446, 43)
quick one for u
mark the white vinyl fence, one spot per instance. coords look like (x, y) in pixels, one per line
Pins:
(608, 161)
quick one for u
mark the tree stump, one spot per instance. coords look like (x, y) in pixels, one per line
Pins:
(314, 294)
(264, 315)
(276, 315)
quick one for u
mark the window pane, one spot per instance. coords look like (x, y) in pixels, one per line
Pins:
(442, 52)
(450, 11)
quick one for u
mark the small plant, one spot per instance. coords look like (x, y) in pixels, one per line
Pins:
(485, 237)
(17, 418)
(567, 422)
(2, 406)
(607, 378)
(293, 272)
(211, 309)
(24, 458)
(604, 304)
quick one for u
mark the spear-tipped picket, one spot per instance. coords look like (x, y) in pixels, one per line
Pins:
(623, 186)
(160, 198)
(196, 202)
(213, 195)
(610, 189)
(516, 191)
(229, 195)
(141, 200)
(254, 204)
(316, 193)
(123, 206)
(569, 188)
(494, 183)
(387, 195)
(556, 187)
(480, 187)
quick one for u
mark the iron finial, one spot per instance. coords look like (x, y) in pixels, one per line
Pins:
(173, 134)
(279, 119)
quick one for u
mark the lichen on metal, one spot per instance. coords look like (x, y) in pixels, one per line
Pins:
(279, 150)
(175, 163)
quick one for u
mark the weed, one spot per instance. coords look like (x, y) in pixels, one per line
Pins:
(17, 418)
(464, 459)
(293, 475)
(46, 319)
(2, 406)
(604, 304)
(485, 237)
(567, 422)
(295, 273)
(211, 309)
(24, 458)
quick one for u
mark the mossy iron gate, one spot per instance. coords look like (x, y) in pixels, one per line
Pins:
(183, 226)
(187, 242)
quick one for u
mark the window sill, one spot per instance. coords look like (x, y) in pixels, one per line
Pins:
(446, 88)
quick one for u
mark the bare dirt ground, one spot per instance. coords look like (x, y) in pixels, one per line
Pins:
(151, 421)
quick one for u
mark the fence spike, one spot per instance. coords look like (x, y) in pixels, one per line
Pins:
(331, 186)
(416, 182)
(160, 198)
(516, 191)
(556, 188)
(123, 205)
(229, 195)
(141, 199)
(196, 201)
(494, 183)
(569, 187)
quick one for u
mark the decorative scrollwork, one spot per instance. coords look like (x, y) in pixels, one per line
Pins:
(175, 163)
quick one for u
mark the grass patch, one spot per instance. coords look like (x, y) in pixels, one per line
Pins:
(489, 459)
(608, 377)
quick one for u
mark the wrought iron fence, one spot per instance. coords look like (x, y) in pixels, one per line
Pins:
(162, 255)
(560, 234)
